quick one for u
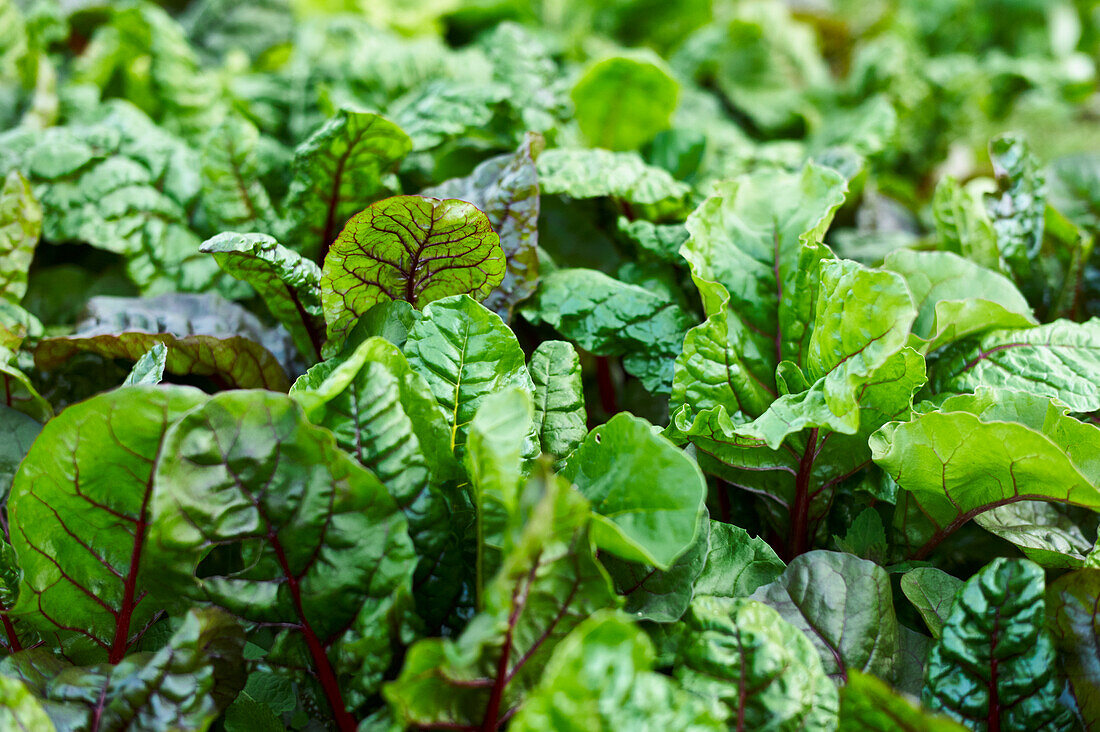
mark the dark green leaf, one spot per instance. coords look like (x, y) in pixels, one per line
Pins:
(1073, 601)
(994, 666)
(17, 433)
(932, 592)
(844, 605)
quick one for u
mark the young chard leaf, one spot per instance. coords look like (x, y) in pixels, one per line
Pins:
(289, 284)
(342, 166)
(20, 227)
(327, 545)
(233, 196)
(88, 481)
(995, 664)
(205, 335)
(465, 353)
(932, 592)
(623, 101)
(559, 397)
(506, 189)
(844, 605)
(868, 704)
(408, 248)
(149, 369)
(604, 669)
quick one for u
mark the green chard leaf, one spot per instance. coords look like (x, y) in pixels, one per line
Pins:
(579, 173)
(608, 317)
(868, 704)
(963, 226)
(623, 101)
(343, 166)
(957, 299)
(844, 605)
(995, 663)
(88, 478)
(932, 592)
(601, 678)
(506, 190)
(183, 686)
(646, 494)
(149, 369)
(233, 196)
(20, 227)
(465, 353)
(755, 670)
(1018, 207)
(560, 415)
(549, 583)
(205, 335)
(1072, 604)
(20, 709)
(289, 284)
(330, 556)
(1059, 360)
(980, 452)
(17, 433)
(408, 248)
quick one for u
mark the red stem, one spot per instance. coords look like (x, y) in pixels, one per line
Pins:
(607, 386)
(13, 638)
(800, 511)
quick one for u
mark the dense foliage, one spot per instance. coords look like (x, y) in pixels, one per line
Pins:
(571, 365)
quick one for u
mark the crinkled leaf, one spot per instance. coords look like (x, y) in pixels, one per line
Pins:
(20, 227)
(183, 686)
(233, 196)
(844, 605)
(149, 369)
(995, 663)
(326, 543)
(80, 517)
(408, 248)
(580, 173)
(506, 189)
(465, 353)
(1018, 207)
(550, 581)
(647, 495)
(736, 564)
(1059, 359)
(621, 102)
(956, 298)
(963, 225)
(289, 284)
(754, 669)
(205, 335)
(611, 318)
(662, 241)
(1073, 604)
(868, 704)
(600, 678)
(559, 397)
(932, 592)
(983, 451)
(343, 166)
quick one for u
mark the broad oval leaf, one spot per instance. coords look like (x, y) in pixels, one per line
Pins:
(408, 248)
(757, 669)
(995, 664)
(623, 101)
(844, 605)
(326, 542)
(647, 494)
(80, 511)
(559, 397)
(932, 592)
